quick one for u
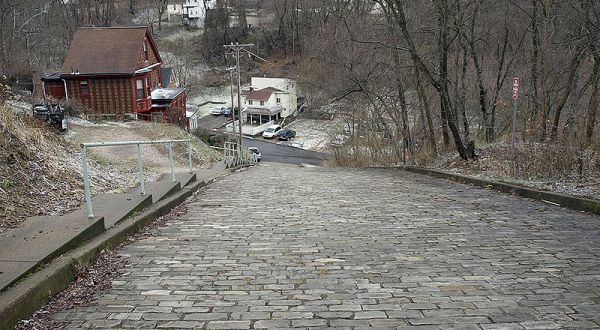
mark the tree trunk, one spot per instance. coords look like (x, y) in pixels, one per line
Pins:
(447, 108)
(440, 85)
(535, 43)
(574, 67)
(463, 92)
(594, 102)
(407, 139)
(490, 134)
(425, 104)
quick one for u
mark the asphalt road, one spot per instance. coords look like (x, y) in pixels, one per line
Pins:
(270, 151)
(276, 153)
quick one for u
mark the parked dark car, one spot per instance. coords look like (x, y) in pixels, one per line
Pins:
(227, 111)
(286, 134)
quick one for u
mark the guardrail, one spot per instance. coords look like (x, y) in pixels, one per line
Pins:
(233, 156)
(84, 161)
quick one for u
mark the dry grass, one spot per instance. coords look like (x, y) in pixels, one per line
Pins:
(34, 170)
(566, 166)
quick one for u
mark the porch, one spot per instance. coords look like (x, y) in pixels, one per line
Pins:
(257, 119)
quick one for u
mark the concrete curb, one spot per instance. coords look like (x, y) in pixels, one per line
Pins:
(568, 201)
(24, 298)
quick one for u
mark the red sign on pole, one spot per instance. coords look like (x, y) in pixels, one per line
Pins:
(515, 94)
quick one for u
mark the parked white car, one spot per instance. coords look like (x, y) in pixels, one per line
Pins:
(271, 131)
(217, 111)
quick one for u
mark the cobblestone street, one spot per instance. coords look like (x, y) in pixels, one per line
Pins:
(288, 247)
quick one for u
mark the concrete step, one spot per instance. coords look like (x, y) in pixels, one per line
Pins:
(165, 186)
(40, 239)
(116, 207)
(185, 178)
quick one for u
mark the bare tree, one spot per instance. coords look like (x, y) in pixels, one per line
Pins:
(161, 8)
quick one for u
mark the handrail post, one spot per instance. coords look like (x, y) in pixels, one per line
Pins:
(86, 183)
(190, 156)
(141, 169)
(171, 161)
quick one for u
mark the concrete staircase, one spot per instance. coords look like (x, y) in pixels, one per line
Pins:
(38, 240)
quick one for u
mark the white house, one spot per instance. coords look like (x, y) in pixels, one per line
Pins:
(194, 12)
(267, 101)
(269, 92)
(174, 9)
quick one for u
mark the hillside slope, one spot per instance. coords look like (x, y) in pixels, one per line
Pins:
(40, 168)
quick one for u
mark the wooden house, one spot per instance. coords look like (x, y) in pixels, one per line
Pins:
(110, 70)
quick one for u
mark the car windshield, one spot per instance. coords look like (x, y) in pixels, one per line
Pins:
(270, 130)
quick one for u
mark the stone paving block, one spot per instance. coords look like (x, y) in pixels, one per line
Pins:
(205, 316)
(228, 325)
(502, 326)
(308, 323)
(369, 315)
(292, 315)
(160, 316)
(181, 325)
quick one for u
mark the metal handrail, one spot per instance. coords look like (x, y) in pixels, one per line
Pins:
(233, 156)
(84, 162)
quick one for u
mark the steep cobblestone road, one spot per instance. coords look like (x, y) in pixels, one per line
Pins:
(311, 247)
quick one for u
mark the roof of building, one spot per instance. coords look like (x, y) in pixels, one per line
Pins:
(263, 111)
(107, 50)
(51, 77)
(261, 94)
(166, 93)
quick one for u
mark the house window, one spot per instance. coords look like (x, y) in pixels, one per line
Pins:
(139, 89)
(262, 102)
(148, 89)
(278, 101)
(249, 102)
(145, 50)
(85, 89)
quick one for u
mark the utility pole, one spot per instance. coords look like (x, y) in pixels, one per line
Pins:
(237, 47)
(231, 90)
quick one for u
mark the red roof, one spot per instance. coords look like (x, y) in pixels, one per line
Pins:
(110, 50)
(261, 94)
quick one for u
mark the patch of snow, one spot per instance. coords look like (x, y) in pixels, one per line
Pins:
(119, 124)
(313, 134)
(213, 94)
(85, 123)
(19, 106)
(183, 34)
